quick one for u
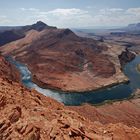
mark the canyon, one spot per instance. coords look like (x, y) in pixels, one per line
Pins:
(59, 59)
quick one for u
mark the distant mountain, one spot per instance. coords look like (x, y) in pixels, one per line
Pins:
(137, 25)
(9, 34)
(39, 26)
(7, 28)
(133, 27)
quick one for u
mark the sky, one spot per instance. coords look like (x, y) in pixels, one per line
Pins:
(70, 13)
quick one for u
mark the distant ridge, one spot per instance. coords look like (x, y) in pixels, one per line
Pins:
(10, 34)
(133, 27)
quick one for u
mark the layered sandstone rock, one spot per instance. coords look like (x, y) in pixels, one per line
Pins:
(8, 71)
(126, 56)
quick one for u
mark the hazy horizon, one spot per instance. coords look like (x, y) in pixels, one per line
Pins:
(70, 13)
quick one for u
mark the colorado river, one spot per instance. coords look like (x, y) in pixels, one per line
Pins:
(118, 92)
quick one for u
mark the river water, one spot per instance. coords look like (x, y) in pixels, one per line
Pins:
(118, 92)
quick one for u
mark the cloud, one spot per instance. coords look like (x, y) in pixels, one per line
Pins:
(89, 7)
(75, 17)
(67, 12)
(60, 17)
(135, 11)
(30, 9)
(111, 10)
(4, 19)
(116, 16)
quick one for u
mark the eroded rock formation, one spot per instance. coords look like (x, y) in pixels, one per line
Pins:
(126, 56)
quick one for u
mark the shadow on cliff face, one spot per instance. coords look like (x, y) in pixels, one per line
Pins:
(126, 56)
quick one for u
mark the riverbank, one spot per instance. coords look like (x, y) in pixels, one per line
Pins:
(114, 111)
(125, 80)
(134, 95)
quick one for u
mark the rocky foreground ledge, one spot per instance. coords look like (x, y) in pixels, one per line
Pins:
(28, 115)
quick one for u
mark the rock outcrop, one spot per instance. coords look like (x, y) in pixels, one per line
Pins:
(126, 57)
(8, 71)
